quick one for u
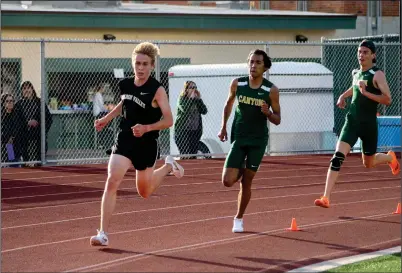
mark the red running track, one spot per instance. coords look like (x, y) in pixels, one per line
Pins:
(49, 213)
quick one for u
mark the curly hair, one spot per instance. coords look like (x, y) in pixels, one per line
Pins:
(148, 49)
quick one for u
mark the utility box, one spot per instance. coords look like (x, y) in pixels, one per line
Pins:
(389, 133)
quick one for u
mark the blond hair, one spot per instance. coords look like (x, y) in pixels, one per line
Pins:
(148, 49)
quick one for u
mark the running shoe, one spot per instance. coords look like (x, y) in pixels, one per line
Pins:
(322, 202)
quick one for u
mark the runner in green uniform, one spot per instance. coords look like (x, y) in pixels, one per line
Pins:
(249, 134)
(369, 89)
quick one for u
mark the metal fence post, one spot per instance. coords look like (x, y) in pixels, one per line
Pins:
(266, 75)
(158, 65)
(322, 51)
(266, 49)
(43, 101)
(384, 107)
(1, 82)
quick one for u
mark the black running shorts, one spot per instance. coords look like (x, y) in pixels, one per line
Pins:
(141, 151)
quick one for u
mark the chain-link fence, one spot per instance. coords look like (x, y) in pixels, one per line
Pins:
(22, 109)
(77, 83)
(306, 97)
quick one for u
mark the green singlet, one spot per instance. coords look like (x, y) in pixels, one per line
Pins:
(249, 134)
(361, 120)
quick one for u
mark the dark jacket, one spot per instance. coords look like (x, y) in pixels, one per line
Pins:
(31, 109)
(12, 125)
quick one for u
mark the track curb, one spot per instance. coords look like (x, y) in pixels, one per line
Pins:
(331, 264)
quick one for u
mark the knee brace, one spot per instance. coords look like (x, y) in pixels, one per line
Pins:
(337, 161)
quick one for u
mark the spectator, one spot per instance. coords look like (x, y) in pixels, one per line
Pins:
(98, 103)
(188, 124)
(100, 111)
(12, 126)
(30, 108)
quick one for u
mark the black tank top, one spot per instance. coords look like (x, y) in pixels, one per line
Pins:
(137, 105)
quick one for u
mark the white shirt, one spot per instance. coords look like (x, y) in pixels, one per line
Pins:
(98, 104)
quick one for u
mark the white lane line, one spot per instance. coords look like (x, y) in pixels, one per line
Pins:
(218, 191)
(187, 206)
(263, 164)
(189, 184)
(131, 258)
(193, 221)
(191, 175)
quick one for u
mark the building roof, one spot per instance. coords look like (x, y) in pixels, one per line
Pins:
(137, 15)
(139, 8)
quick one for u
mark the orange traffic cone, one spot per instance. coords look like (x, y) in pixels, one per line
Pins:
(293, 226)
(398, 209)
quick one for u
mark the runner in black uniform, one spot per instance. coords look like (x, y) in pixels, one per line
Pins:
(145, 110)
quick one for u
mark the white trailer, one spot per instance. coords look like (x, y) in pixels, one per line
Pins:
(306, 98)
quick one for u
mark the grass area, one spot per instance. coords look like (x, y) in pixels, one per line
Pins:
(387, 263)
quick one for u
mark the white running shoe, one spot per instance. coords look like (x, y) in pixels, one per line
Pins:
(237, 225)
(100, 239)
(177, 169)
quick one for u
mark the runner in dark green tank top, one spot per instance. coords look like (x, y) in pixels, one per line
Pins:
(249, 135)
(249, 122)
(369, 89)
(361, 121)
